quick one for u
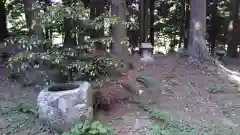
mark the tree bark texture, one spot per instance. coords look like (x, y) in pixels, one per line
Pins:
(119, 30)
(3, 24)
(197, 44)
(232, 37)
(33, 23)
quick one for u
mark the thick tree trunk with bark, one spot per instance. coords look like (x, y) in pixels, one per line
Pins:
(142, 21)
(97, 9)
(119, 30)
(214, 26)
(133, 34)
(197, 45)
(152, 3)
(232, 37)
(182, 32)
(68, 26)
(147, 22)
(69, 37)
(28, 13)
(48, 30)
(3, 24)
(187, 23)
(33, 23)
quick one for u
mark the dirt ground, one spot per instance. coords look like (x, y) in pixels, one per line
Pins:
(199, 94)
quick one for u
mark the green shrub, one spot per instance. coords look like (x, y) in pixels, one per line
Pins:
(89, 128)
(58, 62)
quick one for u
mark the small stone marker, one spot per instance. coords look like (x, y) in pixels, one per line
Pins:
(146, 50)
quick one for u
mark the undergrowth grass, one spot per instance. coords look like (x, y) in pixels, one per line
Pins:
(165, 126)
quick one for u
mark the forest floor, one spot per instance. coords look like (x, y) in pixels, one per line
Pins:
(191, 92)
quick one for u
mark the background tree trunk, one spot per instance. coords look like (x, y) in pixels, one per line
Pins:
(232, 37)
(147, 22)
(187, 23)
(152, 3)
(33, 23)
(142, 21)
(98, 7)
(183, 17)
(196, 45)
(119, 30)
(68, 26)
(214, 26)
(28, 13)
(3, 24)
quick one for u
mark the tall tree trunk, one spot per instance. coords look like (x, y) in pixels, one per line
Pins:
(173, 43)
(3, 25)
(119, 30)
(69, 37)
(48, 30)
(142, 21)
(33, 23)
(187, 23)
(68, 26)
(182, 32)
(214, 26)
(98, 7)
(152, 3)
(232, 44)
(28, 13)
(133, 34)
(147, 18)
(197, 45)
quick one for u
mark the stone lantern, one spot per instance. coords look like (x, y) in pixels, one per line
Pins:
(146, 50)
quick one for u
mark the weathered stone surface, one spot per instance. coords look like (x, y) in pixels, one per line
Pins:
(64, 108)
(146, 49)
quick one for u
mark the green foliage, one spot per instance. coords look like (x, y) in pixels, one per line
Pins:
(168, 22)
(178, 128)
(101, 67)
(18, 117)
(61, 59)
(160, 115)
(168, 127)
(16, 18)
(174, 128)
(145, 80)
(19, 108)
(89, 128)
(214, 88)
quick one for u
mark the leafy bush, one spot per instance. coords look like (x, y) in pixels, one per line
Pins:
(88, 128)
(61, 63)
(101, 67)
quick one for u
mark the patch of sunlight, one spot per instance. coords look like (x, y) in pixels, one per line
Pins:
(230, 26)
(228, 70)
(235, 78)
(58, 38)
(173, 8)
(165, 49)
(19, 20)
(56, 1)
(162, 49)
(197, 25)
(232, 75)
(140, 92)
